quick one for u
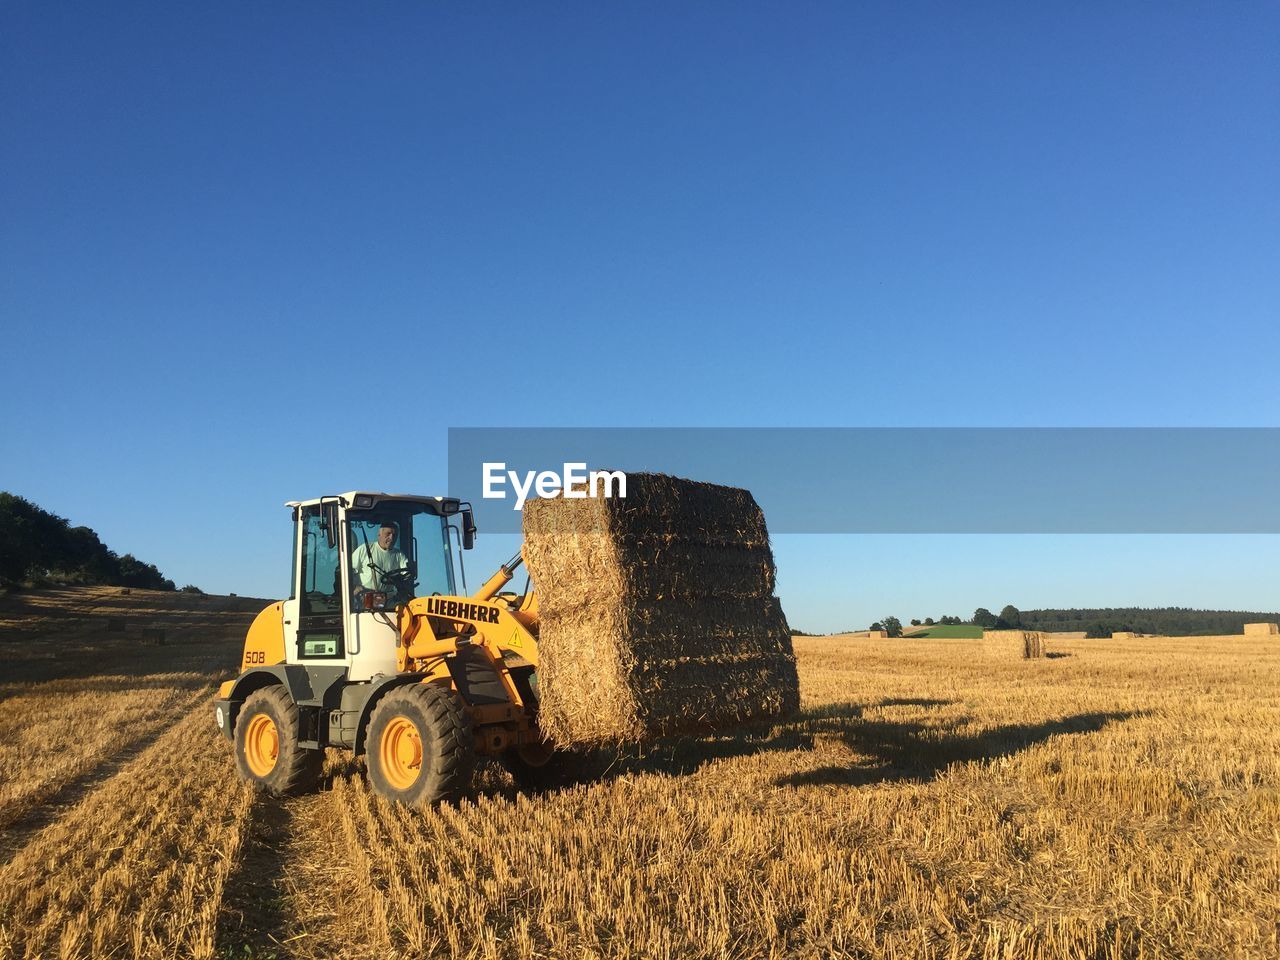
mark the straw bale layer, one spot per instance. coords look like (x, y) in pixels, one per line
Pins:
(1261, 629)
(657, 613)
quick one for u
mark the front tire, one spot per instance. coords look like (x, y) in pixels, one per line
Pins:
(420, 748)
(268, 752)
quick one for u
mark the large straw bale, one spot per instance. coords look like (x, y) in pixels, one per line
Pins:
(1261, 629)
(1028, 644)
(657, 612)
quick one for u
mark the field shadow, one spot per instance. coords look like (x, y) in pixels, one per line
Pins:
(15, 833)
(253, 911)
(864, 750)
(680, 756)
(67, 634)
(883, 751)
(117, 667)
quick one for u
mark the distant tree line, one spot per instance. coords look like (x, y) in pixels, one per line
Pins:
(36, 545)
(1098, 622)
(1104, 621)
(1093, 622)
(1161, 621)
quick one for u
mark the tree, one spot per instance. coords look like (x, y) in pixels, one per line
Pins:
(1011, 616)
(928, 621)
(192, 588)
(36, 544)
(893, 626)
(32, 541)
(916, 623)
(984, 618)
(876, 626)
(144, 576)
(90, 560)
(1103, 630)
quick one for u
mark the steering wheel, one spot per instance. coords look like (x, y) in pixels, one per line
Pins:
(398, 581)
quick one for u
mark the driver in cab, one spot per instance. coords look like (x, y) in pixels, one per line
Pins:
(373, 562)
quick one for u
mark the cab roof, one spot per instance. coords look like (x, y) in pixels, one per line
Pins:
(364, 499)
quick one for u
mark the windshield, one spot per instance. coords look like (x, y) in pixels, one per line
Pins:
(399, 548)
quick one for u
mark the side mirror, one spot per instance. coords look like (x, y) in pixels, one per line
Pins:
(468, 529)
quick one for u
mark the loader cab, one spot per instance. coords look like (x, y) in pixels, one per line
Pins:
(358, 558)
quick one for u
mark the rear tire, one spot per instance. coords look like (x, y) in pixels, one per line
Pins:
(268, 753)
(420, 748)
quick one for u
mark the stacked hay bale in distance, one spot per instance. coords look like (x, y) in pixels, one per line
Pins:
(657, 613)
(1028, 644)
(1261, 629)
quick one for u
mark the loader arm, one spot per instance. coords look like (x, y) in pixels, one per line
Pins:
(430, 627)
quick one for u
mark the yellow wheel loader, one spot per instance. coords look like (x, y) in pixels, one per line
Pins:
(377, 652)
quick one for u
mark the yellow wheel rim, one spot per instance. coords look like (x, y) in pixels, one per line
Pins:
(401, 753)
(261, 745)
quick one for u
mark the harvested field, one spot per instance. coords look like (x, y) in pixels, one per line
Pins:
(674, 629)
(1121, 799)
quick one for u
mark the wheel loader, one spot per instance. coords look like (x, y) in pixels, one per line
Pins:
(377, 652)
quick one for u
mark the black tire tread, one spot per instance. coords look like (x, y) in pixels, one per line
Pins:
(297, 768)
(449, 755)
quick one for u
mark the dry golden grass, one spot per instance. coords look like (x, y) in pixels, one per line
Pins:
(108, 722)
(1119, 799)
(137, 867)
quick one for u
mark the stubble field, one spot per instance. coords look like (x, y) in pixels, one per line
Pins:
(1120, 799)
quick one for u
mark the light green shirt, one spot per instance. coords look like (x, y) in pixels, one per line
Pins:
(366, 558)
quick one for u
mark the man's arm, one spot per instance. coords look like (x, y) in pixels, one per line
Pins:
(358, 561)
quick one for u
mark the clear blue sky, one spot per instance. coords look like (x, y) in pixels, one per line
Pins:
(258, 252)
